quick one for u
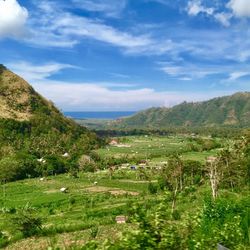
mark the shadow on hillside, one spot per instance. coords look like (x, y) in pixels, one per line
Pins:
(2, 68)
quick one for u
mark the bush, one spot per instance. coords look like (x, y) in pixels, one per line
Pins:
(221, 221)
(176, 215)
(27, 223)
(94, 231)
(3, 240)
(72, 200)
(152, 188)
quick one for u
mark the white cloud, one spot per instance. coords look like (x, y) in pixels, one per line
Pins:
(13, 18)
(236, 75)
(244, 55)
(223, 18)
(240, 8)
(110, 8)
(164, 2)
(155, 47)
(172, 70)
(187, 72)
(225, 46)
(84, 27)
(78, 97)
(170, 3)
(33, 73)
(97, 96)
(119, 75)
(185, 78)
(64, 29)
(195, 7)
(84, 96)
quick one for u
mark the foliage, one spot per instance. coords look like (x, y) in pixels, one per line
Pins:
(27, 223)
(223, 111)
(94, 231)
(37, 140)
(152, 188)
(223, 221)
(31, 128)
(155, 231)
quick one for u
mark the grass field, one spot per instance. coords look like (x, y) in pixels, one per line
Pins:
(84, 206)
(69, 218)
(93, 200)
(155, 148)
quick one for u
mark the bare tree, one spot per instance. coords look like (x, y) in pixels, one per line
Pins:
(214, 176)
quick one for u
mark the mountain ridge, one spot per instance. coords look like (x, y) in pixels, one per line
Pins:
(232, 110)
(18, 100)
(31, 123)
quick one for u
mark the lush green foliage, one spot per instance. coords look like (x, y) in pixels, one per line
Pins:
(31, 129)
(224, 111)
(27, 223)
(223, 221)
(168, 207)
(172, 197)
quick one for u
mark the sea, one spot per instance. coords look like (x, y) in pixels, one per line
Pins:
(112, 115)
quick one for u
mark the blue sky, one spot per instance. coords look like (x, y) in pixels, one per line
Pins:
(127, 54)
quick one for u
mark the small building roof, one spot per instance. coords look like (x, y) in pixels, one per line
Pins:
(121, 219)
(211, 159)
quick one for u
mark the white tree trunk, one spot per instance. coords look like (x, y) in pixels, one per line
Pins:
(213, 175)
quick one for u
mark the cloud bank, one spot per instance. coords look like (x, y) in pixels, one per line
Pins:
(240, 8)
(109, 8)
(71, 96)
(13, 18)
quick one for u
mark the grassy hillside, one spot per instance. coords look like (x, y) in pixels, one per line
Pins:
(31, 128)
(175, 192)
(18, 100)
(223, 111)
(85, 216)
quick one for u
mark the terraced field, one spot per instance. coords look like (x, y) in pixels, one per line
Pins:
(156, 148)
(85, 204)
(93, 200)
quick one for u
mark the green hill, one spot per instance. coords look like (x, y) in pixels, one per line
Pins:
(231, 110)
(32, 127)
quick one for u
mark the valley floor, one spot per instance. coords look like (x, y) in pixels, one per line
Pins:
(88, 210)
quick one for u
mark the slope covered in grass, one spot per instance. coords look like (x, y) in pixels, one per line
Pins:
(31, 127)
(231, 110)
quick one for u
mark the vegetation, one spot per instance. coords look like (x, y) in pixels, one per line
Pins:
(31, 128)
(229, 111)
(62, 187)
(168, 200)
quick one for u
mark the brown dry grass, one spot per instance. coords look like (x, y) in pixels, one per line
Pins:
(113, 191)
(15, 92)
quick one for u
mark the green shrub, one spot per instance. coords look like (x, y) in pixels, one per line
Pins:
(72, 200)
(94, 232)
(27, 223)
(176, 215)
(152, 188)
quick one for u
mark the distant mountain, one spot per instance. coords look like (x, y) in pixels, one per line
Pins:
(29, 121)
(231, 110)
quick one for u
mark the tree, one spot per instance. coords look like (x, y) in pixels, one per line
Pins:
(230, 168)
(9, 169)
(214, 175)
(192, 172)
(173, 177)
